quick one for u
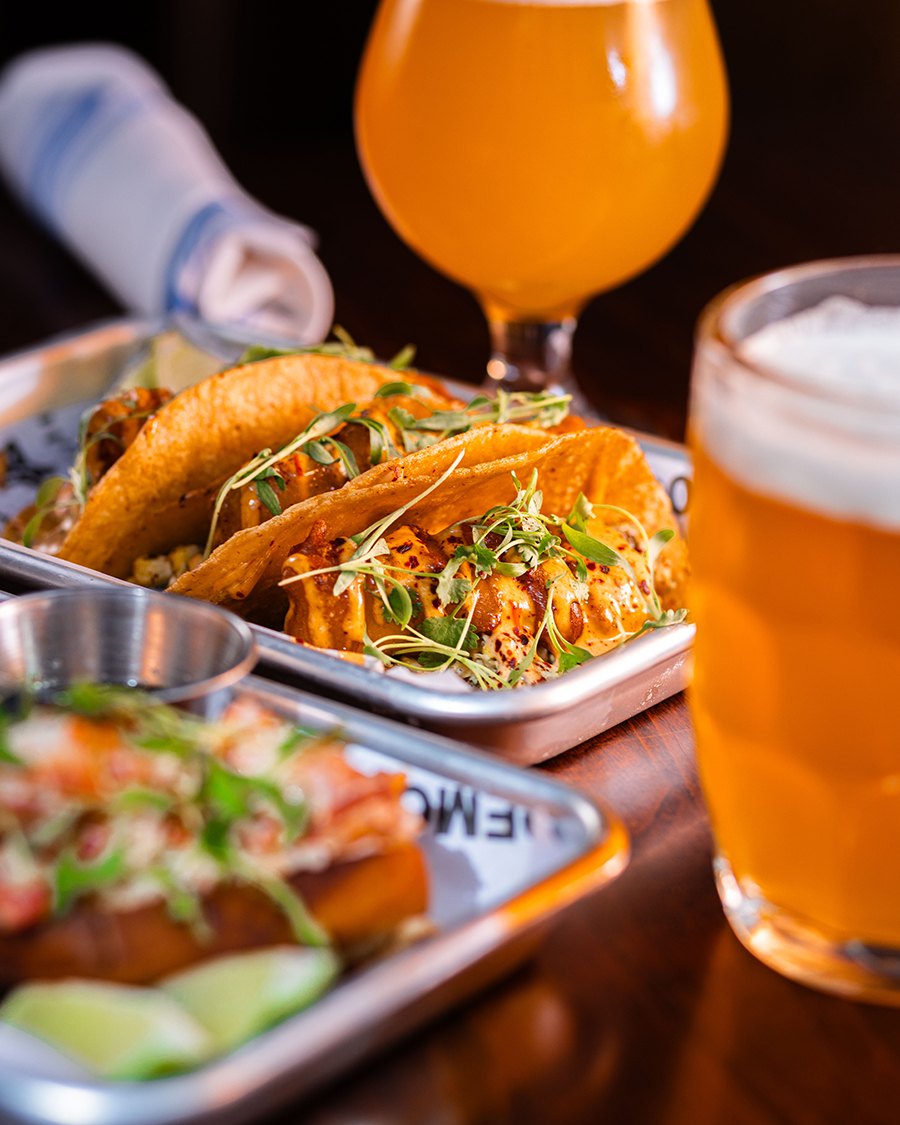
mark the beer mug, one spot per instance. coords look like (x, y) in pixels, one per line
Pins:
(795, 539)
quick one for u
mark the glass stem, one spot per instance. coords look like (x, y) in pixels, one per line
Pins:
(530, 355)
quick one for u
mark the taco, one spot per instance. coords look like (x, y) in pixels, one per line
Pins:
(161, 480)
(506, 554)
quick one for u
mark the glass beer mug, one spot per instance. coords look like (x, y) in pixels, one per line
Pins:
(540, 151)
(795, 545)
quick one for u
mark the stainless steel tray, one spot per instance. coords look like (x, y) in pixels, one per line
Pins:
(41, 394)
(506, 851)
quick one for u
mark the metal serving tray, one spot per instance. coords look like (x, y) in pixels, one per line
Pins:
(42, 393)
(506, 850)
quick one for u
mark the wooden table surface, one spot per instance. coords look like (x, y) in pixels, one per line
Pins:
(640, 1006)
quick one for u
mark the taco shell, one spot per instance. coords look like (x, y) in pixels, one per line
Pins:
(160, 492)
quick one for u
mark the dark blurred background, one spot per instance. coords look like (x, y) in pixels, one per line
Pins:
(813, 170)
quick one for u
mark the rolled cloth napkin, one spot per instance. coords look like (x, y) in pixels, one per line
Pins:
(95, 146)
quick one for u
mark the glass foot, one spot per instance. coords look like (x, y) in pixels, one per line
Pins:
(795, 948)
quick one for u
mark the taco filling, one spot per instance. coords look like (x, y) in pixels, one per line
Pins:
(511, 597)
(106, 432)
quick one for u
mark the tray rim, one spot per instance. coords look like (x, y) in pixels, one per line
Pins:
(265, 1071)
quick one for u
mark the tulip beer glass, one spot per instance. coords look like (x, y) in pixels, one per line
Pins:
(540, 151)
(795, 541)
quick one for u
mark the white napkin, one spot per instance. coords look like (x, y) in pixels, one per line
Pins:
(93, 143)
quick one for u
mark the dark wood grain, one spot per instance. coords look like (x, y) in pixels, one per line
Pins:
(640, 1007)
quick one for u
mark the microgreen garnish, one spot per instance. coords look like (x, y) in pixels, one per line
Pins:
(7, 757)
(304, 927)
(388, 390)
(299, 738)
(509, 540)
(262, 469)
(232, 796)
(438, 643)
(343, 346)
(53, 497)
(542, 409)
(86, 698)
(590, 548)
(183, 903)
(266, 490)
(79, 475)
(74, 878)
(450, 632)
(370, 543)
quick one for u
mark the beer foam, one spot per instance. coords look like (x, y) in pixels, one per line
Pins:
(828, 436)
(841, 345)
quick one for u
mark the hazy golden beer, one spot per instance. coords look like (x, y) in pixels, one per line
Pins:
(795, 542)
(541, 152)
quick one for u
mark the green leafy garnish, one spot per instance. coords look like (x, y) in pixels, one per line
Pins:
(233, 796)
(262, 467)
(320, 443)
(592, 549)
(266, 492)
(50, 499)
(571, 657)
(6, 755)
(304, 927)
(450, 632)
(140, 797)
(72, 878)
(451, 590)
(90, 699)
(183, 903)
(582, 511)
(65, 497)
(300, 738)
(388, 390)
(399, 607)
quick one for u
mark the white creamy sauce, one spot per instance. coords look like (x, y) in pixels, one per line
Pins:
(830, 439)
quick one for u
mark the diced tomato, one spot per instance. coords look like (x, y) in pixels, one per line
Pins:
(23, 904)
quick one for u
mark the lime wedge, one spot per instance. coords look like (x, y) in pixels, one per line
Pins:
(236, 997)
(115, 1030)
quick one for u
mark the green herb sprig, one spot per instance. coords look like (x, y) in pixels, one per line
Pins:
(343, 346)
(541, 408)
(262, 470)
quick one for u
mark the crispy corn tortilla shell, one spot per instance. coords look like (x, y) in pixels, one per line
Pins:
(605, 464)
(160, 492)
